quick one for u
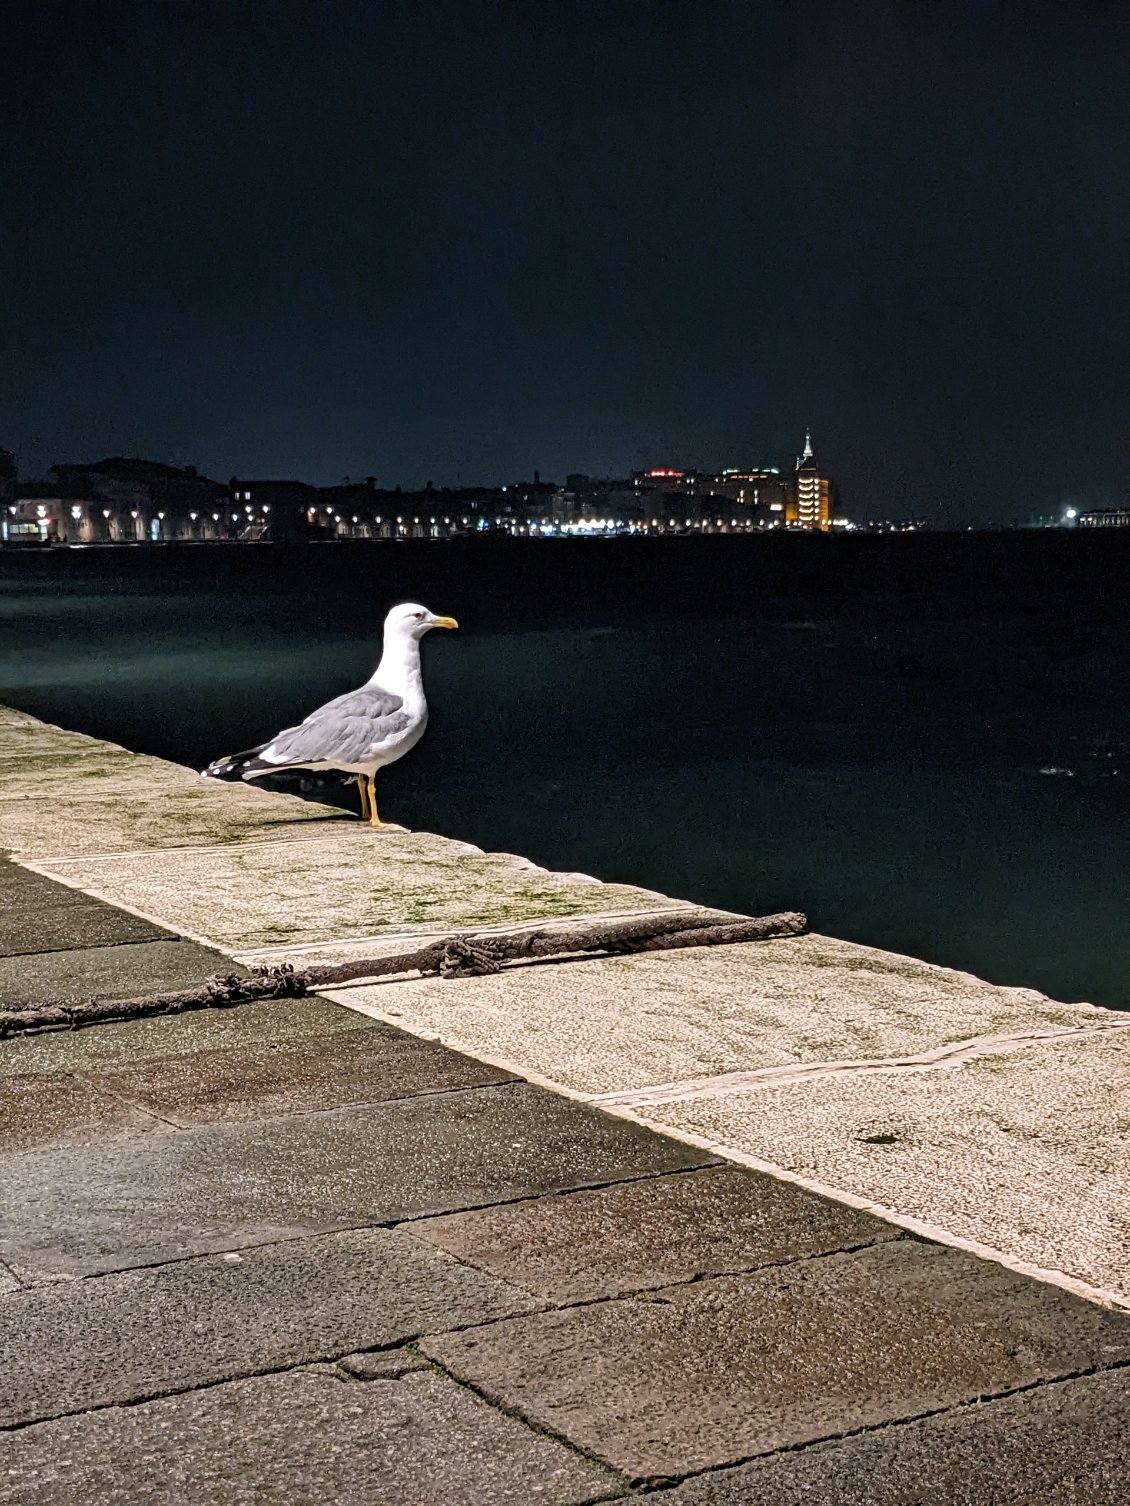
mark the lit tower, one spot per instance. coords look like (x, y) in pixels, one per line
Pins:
(813, 500)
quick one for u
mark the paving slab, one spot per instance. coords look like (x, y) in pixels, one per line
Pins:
(125, 971)
(126, 1203)
(622, 1023)
(698, 1376)
(1028, 1153)
(311, 1436)
(354, 883)
(268, 1078)
(40, 1111)
(63, 794)
(1056, 1445)
(120, 1338)
(21, 889)
(58, 927)
(127, 1041)
(637, 1235)
(128, 815)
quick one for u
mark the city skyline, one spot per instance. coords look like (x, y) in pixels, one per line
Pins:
(130, 499)
(476, 241)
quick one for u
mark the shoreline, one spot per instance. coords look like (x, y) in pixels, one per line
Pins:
(976, 1115)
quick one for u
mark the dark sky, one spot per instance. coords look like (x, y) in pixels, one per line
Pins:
(460, 241)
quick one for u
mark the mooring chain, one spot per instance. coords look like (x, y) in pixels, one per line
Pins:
(464, 958)
(287, 983)
(267, 983)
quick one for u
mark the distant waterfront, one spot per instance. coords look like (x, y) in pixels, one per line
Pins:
(922, 740)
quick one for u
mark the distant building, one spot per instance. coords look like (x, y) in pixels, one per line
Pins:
(124, 499)
(813, 491)
(764, 497)
(737, 499)
(362, 510)
(129, 500)
(278, 510)
(668, 497)
(587, 501)
(1107, 517)
(8, 483)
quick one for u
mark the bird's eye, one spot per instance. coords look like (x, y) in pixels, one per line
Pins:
(419, 616)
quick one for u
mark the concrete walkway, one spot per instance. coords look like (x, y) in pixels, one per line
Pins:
(291, 1252)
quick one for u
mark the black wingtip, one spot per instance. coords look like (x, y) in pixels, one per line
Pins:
(235, 765)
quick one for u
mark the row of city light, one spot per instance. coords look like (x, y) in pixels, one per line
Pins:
(549, 526)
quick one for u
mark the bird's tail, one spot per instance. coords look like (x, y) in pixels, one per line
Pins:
(243, 765)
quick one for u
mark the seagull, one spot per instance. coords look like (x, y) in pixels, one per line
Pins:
(361, 731)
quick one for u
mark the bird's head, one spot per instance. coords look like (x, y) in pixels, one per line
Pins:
(411, 620)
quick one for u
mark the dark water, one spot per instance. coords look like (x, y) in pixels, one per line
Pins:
(860, 728)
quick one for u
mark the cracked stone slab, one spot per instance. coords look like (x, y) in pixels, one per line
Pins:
(619, 1023)
(308, 1435)
(353, 883)
(174, 1194)
(381, 1364)
(638, 1235)
(36, 1112)
(1028, 1153)
(699, 1376)
(119, 1338)
(123, 971)
(1054, 1445)
(123, 1042)
(269, 1078)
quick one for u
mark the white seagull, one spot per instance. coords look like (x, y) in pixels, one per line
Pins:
(361, 731)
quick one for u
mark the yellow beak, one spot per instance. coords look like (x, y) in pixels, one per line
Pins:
(447, 622)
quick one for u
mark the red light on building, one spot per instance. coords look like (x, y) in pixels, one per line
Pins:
(664, 473)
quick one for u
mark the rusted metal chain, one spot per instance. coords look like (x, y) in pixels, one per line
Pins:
(458, 956)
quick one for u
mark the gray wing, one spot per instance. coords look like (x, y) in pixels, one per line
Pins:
(344, 730)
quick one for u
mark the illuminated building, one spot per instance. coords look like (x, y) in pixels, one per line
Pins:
(764, 497)
(269, 508)
(1106, 517)
(813, 491)
(125, 499)
(669, 496)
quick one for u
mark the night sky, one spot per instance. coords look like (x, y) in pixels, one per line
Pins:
(460, 241)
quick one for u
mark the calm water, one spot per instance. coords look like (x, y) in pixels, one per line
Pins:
(924, 742)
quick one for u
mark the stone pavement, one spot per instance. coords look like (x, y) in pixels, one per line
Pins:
(294, 1252)
(286, 1253)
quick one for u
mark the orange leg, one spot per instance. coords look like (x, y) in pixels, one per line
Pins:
(363, 786)
(374, 818)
